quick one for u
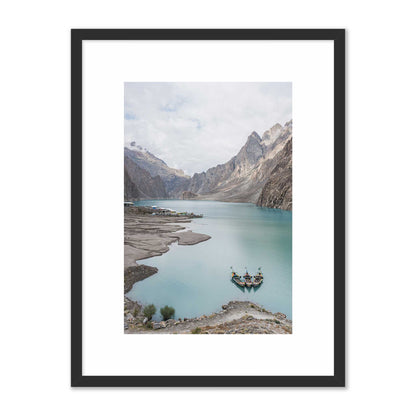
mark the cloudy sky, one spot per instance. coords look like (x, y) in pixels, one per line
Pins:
(194, 126)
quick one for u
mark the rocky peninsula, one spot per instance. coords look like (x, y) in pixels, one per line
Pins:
(147, 235)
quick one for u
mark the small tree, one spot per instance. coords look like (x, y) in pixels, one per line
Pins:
(149, 311)
(167, 312)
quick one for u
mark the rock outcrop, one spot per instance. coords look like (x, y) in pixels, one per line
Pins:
(277, 192)
(188, 195)
(135, 274)
(236, 317)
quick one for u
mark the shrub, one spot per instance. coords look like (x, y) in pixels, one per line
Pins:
(135, 312)
(196, 330)
(167, 312)
(149, 311)
(149, 325)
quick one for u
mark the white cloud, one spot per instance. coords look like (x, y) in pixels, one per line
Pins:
(194, 126)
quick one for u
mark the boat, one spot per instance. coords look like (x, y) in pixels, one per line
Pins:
(236, 278)
(258, 278)
(247, 279)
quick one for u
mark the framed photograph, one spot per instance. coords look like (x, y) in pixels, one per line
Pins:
(225, 263)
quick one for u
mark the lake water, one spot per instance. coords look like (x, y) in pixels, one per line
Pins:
(196, 280)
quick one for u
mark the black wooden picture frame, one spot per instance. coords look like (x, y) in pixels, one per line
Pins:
(77, 377)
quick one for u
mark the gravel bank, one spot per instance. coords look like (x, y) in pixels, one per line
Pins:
(150, 235)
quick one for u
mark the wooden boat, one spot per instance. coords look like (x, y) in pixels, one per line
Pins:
(257, 281)
(236, 278)
(258, 278)
(237, 281)
(247, 279)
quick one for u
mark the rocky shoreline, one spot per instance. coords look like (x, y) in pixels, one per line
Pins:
(147, 236)
(135, 274)
(235, 317)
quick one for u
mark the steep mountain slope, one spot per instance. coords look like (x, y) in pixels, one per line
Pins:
(242, 178)
(261, 173)
(138, 183)
(277, 192)
(228, 174)
(175, 180)
(270, 136)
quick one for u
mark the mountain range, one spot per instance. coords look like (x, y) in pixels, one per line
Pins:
(261, 173)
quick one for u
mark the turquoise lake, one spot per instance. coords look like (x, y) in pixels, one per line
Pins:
(195, 280)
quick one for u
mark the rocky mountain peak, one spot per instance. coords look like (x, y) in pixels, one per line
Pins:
(254, 136)
(270, 135)
(261, 171)
(252, 151)
(174, 180)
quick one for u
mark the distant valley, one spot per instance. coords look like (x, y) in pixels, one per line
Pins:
(260, 173)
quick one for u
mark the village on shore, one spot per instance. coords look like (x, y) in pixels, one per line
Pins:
(155, 210)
